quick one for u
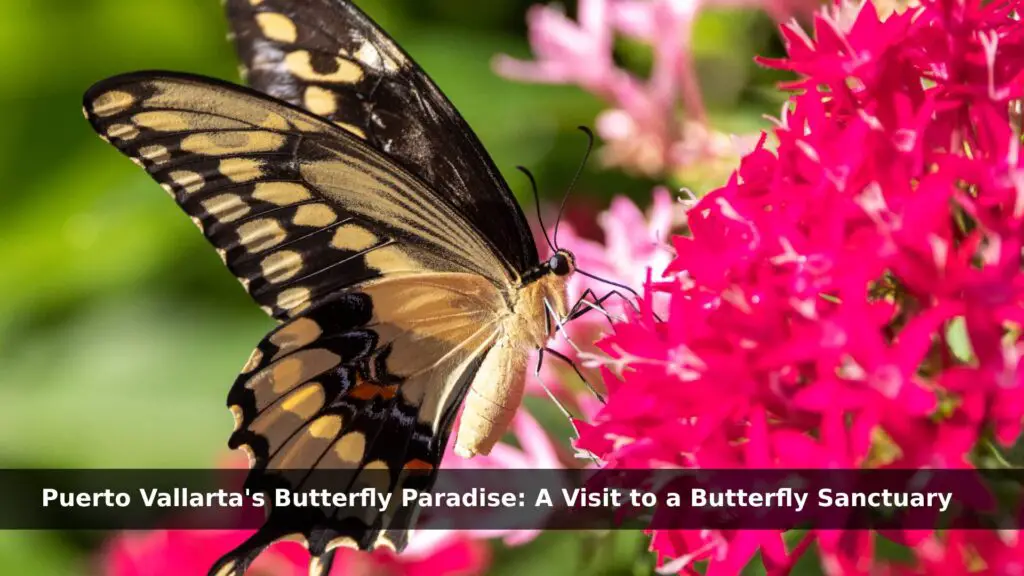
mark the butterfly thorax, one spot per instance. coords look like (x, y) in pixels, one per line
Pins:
(498, 388)
(540, 288)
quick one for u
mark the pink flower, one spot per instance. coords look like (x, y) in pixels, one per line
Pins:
(641, 128)
(536, 452)
(177, 552)
(847, 299)
(561, 45)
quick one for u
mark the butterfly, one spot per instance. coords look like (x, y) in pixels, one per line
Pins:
(358, 209)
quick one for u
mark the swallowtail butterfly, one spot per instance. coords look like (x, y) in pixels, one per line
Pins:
(358, 209)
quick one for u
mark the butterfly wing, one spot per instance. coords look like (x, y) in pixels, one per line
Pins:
(297, 208)
(362, 391)
(389, 297)
(330, 58)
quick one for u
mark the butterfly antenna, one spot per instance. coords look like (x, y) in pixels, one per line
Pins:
(586, 156)
(536, 202)
(609, 282)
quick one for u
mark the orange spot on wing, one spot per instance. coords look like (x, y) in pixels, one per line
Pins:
(418, 465)
(367, 391)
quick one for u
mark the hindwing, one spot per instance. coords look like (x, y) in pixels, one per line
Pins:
(330, 58)
(360, 392)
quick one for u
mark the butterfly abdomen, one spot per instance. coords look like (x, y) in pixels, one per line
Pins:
(497, 390)
(492, 400)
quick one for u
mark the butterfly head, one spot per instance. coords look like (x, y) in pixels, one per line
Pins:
(561, 263)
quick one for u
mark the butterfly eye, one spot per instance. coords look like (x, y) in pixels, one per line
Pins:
(560, 263)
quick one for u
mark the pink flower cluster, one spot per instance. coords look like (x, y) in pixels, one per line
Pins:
(179, 552)
(643, 129)
(852, 297)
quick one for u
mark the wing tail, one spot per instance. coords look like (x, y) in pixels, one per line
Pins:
(237, 561)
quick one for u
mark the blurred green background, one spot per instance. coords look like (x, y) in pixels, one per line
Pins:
(120, 331)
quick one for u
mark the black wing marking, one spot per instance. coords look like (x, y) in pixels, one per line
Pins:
(330, 58)
(297, 208)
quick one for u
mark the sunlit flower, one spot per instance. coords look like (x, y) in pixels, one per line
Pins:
(643, 129)
(536, 451)
(852, 297)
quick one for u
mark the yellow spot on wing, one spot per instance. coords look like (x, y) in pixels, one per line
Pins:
(284, 375)
(261, 234)
(391, 259)
(280, 193)
(236, 415)
(351, 447)
(279, 421)
(305, 401)
(188, 180)
(295, 300)
(222, 143)
(320, 101)
(281, 266)
(240, 169)
(318, 215)
(155, 153)
(302, 450)
(122, 131)
(226, 207)
(354, 238)
(326, 426)
(301, 64)
(112, 102)
(295, 335)
(162, 121)
(275, 122)
(253, 362)
(277, 27)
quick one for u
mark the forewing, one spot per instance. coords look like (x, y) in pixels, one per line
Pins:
(297, 207)
(365, 387)
(330, 58)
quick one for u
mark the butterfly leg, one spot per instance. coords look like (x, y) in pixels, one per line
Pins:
(564, 410)
(536, 373)
(576, 369)
(583, 305)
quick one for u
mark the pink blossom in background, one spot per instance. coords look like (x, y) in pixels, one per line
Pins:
(642, 130)
(847, 298)
(537, 451)
(179, 552)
